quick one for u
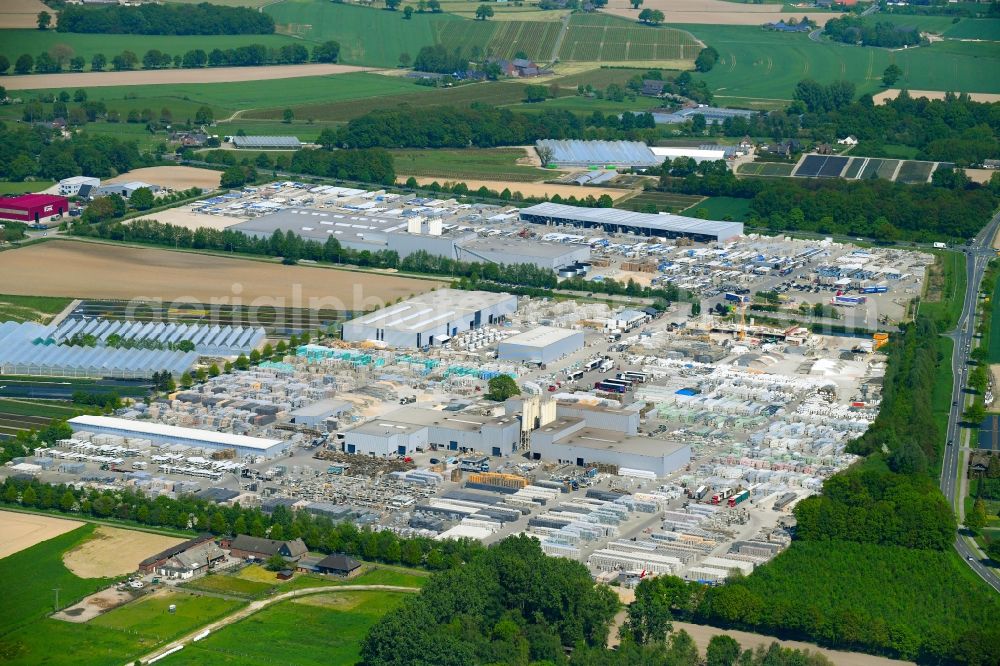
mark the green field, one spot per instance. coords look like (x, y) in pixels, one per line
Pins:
(945, 288)
(504, 39)
(225, 98)
(759, 65)
(765, 169)
(994, 341)
(30, 575)
(662, 202)
(367, 36)
(14, 43)
(30, 308)
(150, 618)
(602, 38)
(723, 208)
(8, 188)
(492, 163)
(495, 93)
(987, 29)
(316, 630)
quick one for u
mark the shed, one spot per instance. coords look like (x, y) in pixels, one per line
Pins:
(338, 565)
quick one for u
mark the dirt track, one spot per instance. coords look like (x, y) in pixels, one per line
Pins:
(114, 552)
(23, 530)
(713, 12)
(164, 76)
(96, 270)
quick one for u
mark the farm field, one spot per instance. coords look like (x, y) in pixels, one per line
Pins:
(14, 43)
(30, 575)
(112, 551)
(494, 93)
(30, 308)
(533, 189)
(660, 202)
(20, 13)
(601, 38)
(714, 12)
(338, 622)
(173, 177)
(893, 93)
(987, 29)
(765, 169)
(494, 163)
(225, 98)
(148, 616)
(92, 270)
(19, 414)
(755, 65)
(19, 531)
(367, 36)
(504, 38)
(174, 76)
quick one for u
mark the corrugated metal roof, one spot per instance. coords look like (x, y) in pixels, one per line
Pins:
(646, 221)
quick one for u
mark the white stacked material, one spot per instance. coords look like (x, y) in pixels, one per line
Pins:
(710, 574)
(730, 565)
(608, 559)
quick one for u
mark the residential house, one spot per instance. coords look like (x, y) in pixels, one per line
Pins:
(258, 548)
(849, 140)
(192, 562)
(652, 88)
(339, 565)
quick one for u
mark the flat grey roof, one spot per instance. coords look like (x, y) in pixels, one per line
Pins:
(317, 224)
(425, 312)
(541, 336)
(669, 223)
(322, 407)
(422, 417)
(387, 426)
(527, 248)
(612, 440)
(267, 141)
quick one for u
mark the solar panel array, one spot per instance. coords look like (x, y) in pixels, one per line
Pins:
(23, 352)
(267, 142)
(599, 153)
(208, 340)
(821, 166)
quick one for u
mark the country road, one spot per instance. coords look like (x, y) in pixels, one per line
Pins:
(259, 605)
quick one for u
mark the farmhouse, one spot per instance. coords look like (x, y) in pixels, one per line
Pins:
(185, 560)
(33, 208)
(248, 547)
(338, 565)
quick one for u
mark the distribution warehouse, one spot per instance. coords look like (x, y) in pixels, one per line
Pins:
(613, 220)
(541, 345)
(167, 434)
(431, 319)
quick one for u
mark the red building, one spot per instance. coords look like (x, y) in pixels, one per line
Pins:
(33, 208)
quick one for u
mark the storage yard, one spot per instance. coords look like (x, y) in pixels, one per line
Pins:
(642, 439)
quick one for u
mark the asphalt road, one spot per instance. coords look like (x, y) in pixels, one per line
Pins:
(978, 256)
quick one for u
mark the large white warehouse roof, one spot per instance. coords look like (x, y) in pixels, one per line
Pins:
(174, 432)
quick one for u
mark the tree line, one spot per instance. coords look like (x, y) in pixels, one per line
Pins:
(165, 19)
(187, 512)
(27, 151)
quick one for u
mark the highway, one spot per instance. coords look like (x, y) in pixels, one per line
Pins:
(978, 255)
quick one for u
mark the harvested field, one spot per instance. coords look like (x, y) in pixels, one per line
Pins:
(96, 270)
(714, 12)
(184, 216)
(21, 13)
(173, 177)
(893, 93)
(23, 530)
(530, 189)
(112, 551)
(174, 76)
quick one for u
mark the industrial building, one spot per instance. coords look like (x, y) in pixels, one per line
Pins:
(431, 319)
(570, 439)
(321, 412)
(124, 190)
(267, 142)
(574, 152)
(699, 154)
(167, 434)
(405, 430)
(78, 186)
(613, 220)
(33, 208)
(540, 345)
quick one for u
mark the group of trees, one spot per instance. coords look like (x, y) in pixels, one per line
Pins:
(438, 59)
(856, 30)
(651, 16)
(165, 19)
(189, 513)
(706, 59)
(370, 165)
(27, 151)
(816, 98)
